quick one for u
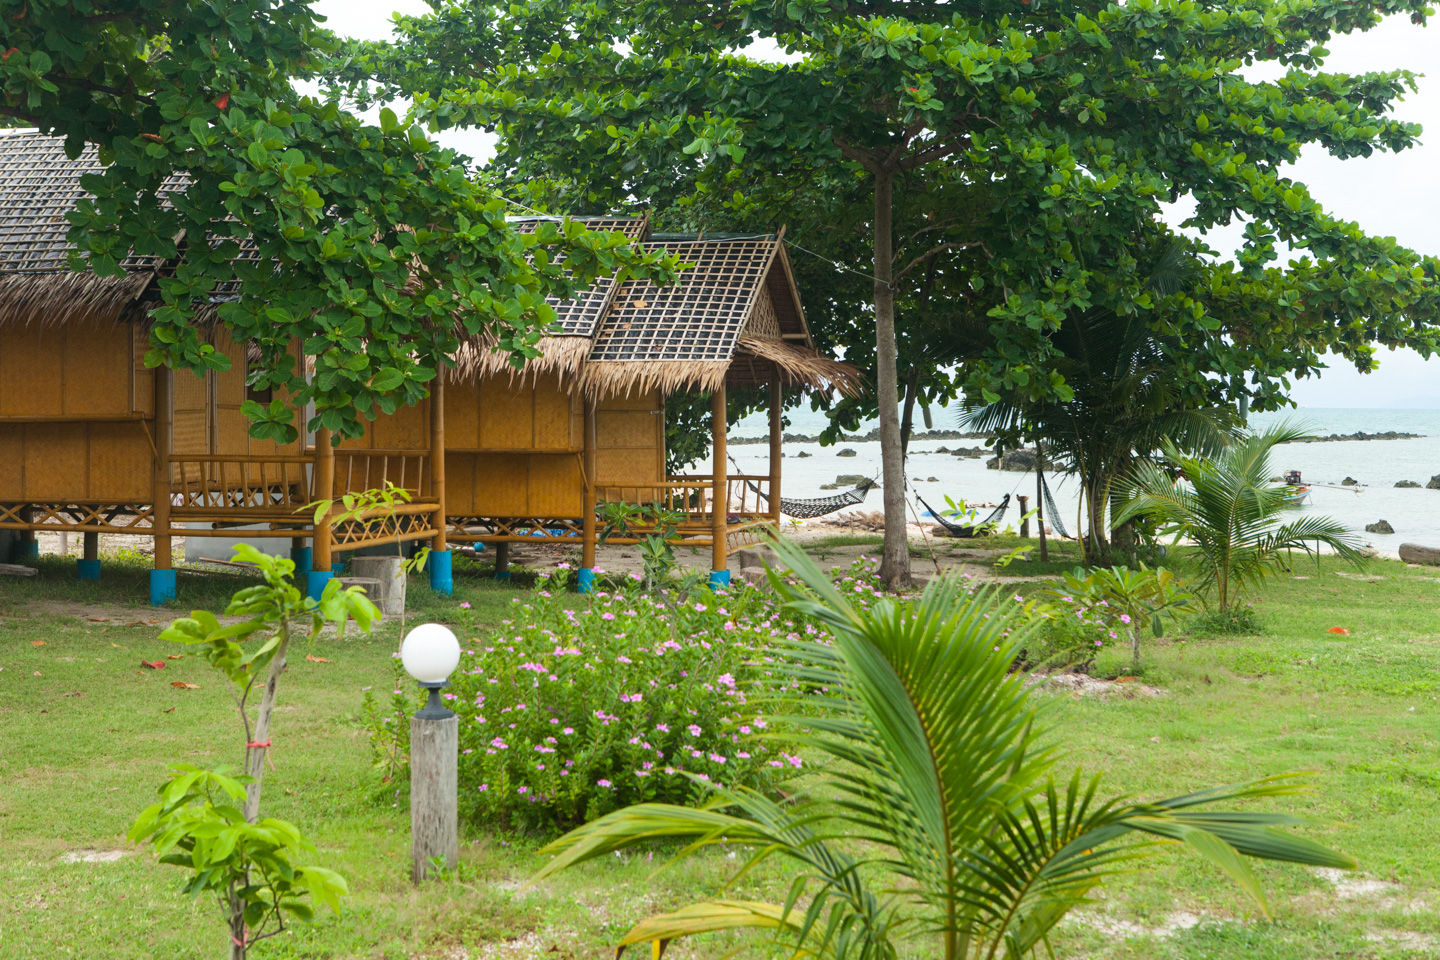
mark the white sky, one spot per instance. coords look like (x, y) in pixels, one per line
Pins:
(1388, 194)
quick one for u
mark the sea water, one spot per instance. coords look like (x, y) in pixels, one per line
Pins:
(1376, 464)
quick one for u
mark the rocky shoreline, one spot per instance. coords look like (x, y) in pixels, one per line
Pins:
(1362, 435)
(873, 435)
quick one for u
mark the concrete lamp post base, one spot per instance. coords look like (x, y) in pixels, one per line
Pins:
(434, 755)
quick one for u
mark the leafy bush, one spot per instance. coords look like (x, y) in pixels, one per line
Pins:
(1235, 622)
(579, 705)
(1127, 600)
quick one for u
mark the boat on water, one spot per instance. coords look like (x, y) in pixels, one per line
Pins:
(1299, 489)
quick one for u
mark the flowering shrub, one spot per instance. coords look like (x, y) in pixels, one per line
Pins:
(1071, 632)
(577, 706)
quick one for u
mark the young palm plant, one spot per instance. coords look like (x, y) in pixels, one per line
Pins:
(1231, 512)
(938, 814)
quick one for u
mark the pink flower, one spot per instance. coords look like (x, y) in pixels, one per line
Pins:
(522, 789)
(1124, 618)
(694, 730)
(603, 783)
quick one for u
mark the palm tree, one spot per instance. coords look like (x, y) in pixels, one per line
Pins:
(1230, 510)
(939, 815)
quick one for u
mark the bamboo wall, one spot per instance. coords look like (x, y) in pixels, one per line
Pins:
(515, 449)
(74, 405)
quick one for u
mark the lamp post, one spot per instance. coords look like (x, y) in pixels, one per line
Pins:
(430, 654)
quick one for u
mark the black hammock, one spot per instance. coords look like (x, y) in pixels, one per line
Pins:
(820, 506)
(966, 530)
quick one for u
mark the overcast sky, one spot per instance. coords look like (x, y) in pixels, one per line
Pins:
(1388, 194)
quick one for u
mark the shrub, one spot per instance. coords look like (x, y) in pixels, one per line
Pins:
(579, 705)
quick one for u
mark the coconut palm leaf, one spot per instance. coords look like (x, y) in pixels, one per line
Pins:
(1231, 512)
(944, 795)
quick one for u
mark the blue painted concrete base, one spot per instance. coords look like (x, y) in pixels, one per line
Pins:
(441, 578)
(719, 579)
(502, 574)
(304, 560)
(585, 581)
(315, 582)
(162, 587)
(27, 550)
(87, 569)
(337, 568)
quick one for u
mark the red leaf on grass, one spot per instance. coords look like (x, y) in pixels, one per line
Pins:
(184, 686)
(153, 664)
(314, 659)
(175, 656)
(37, 643)
(1341, 630)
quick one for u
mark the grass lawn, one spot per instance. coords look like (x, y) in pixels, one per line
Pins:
(87, 732)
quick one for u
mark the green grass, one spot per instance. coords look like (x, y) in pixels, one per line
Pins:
(87, 734)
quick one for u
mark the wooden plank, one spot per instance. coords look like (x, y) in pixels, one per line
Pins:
(16, 570)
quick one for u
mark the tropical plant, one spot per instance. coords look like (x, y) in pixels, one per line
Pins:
(940, 815)
(1131, 599)
(248, 863)
(651, 527)
(375, 510)
(1229, 509)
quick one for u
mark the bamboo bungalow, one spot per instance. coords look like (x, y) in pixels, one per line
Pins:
(531, 455)
(92, 441)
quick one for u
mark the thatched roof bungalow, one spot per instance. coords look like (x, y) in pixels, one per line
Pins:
(92, 441)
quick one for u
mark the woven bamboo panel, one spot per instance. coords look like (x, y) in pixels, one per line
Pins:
(95, 379)
(763, 322)
(581, 316)
(698, 319)
(556, 487)
(120, 462)
(31, 365)
(12, 460)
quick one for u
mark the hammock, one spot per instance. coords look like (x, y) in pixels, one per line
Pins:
(966, 530)
(820, 506)
(1052, 513)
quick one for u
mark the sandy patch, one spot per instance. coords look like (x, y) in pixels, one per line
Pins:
(1080, 685)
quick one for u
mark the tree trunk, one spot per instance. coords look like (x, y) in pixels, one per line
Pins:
(907, 418)
(895, 559)
(255, 756)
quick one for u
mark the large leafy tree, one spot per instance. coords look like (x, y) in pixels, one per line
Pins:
(1056, 108)
(368, 244)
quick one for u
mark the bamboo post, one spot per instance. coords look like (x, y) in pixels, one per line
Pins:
(719, 500)
(777, 402)
(1024, 520)
(586, 575)
(1040, 501)
(88, 566)
(322, 570)
(441, 576)
(162, 577)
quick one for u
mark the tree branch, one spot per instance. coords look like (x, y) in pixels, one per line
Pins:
(933, 251)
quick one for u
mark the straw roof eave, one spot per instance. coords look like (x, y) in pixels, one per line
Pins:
(56, 298)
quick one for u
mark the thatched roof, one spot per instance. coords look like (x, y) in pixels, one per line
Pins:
(733, 317)
(39, 184)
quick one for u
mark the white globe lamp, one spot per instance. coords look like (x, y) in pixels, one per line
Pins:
(430, 653)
